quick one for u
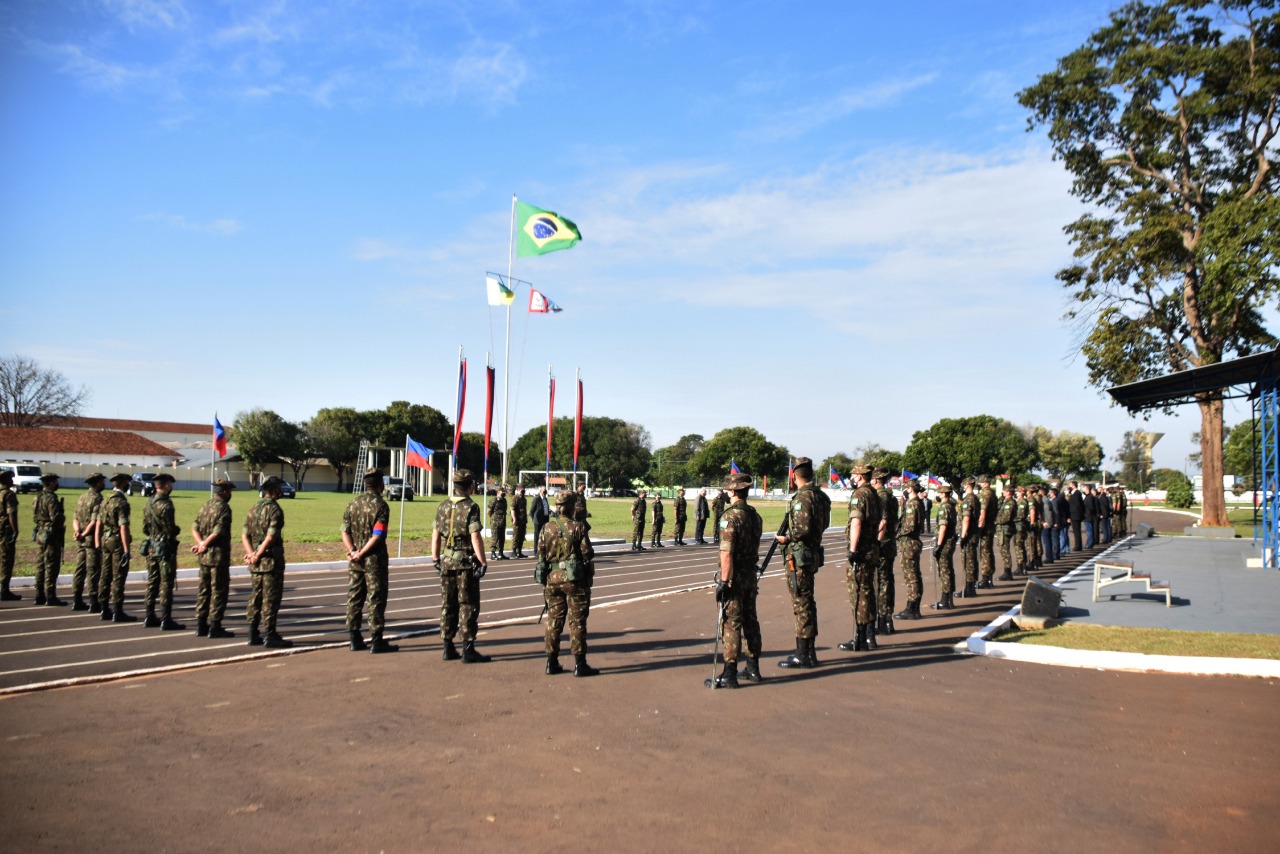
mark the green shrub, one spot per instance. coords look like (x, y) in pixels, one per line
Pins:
(1179, 494)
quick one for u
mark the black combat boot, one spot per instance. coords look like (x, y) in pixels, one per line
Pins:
(119, 616)
(859, 641)
(911, 612)
(79, 604)
(751, 672)
(553, 665)
(728, 677)
(811, 653)
(202, 627)
(54, 600)
(871, 636)
(357, 641)
(640, 548)
(450, 651)
(470, 656)
(274, 641)
(581, 668)
(95, 607)
(797, 658)
(106, 613)
(169, 624)
(151, 621)
(217, 631)
(39, 597)
(378, 646)
(7, 595)
(887, 625)
(970, 590)
(1007, 576)
(255, 639)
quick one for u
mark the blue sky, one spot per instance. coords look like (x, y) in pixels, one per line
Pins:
(819, 219)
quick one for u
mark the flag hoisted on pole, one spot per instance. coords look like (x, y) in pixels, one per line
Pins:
(577, 431)
(488, 413)
(543, 231)
(462, 405)
(791, 475)
(733, 466)
(551, 414)
(539, 304)
(219, 448)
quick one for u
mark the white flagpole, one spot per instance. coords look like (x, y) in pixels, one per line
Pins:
(506, 365)
(404, 484)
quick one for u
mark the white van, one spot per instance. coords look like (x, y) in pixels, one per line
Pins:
(26, 478)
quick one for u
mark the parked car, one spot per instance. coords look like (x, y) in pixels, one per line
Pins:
(397, 487)
(25, 478)
(143, 483)
(286, 490)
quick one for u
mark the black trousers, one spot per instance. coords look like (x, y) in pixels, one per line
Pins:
(1076, 544)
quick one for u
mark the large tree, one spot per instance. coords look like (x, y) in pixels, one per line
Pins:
(670, 465)
(262, 437)
(981, 444)
(872, 454)
(746, 446)
(32, 396)
(335, 434)
(612, 450)
(388, 427)
(1242, 452)
(1167, 119)
(1066, 453)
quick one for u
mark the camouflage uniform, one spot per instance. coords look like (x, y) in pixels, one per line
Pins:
(564, 550)
(115, 552)
(456, 520)
(88, 550)
(864, 558)
(682, 516)
(945, 515)
(638, 508)
(969, 509)
(659, 518)
(264, 520)
(51, 530)
(808, 517)
(8, 539)
(717, 510)
(162, 553)
(366, 516)
(909, 529)
(498, 526)
(1006, 527)
(739, 531)
(987, 542)
(214, 520)
(519, 522)
(888, 544)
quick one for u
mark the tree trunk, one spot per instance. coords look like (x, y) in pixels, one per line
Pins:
(1214, 513)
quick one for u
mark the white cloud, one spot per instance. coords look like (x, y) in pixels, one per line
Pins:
(96, 73)
(150, 14)
(788, 124)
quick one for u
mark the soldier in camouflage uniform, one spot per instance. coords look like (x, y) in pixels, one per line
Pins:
(945, 528)
(8, 535)
(739, 532)
(808, 516)
(519, 522)
(85, 527)
(968, 532)
(211, 536)
(117, 541)
(161, 548)
(364, 534)
(50, 519)
(659, 519)
(457, 550)
(264, 555)
(498, 525)
(1006, 528)
(565, 568)
(988, 504)
(909, 530)
(717, 510)
(638, 508)
(681, 510)
(863, 535)
(885, 592)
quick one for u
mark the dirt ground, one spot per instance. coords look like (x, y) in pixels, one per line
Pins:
(911, 747)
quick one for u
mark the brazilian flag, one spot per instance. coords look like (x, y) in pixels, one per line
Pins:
(540, 232)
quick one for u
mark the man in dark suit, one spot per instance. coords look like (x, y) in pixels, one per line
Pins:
(1062, 518)
(1091, 530)
(1075, 507)
(701, 511)
(540, 512)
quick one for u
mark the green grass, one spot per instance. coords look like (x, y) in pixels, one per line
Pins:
(1151, 641)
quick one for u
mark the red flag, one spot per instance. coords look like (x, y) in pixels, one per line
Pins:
(462, 405)
(577, 428)
(551, 414)
(488, 416)
(219, 438)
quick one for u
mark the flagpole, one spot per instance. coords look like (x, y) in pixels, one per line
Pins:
(551, 405)
(506, 364)
(404, 484)
(577, 427)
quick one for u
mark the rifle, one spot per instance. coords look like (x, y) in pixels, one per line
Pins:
(712, 682)
(782, 532)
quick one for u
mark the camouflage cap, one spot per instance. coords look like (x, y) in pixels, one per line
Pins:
(372, 472)
(1009, 487)
(865, 471)
(462, 477)
(164, 477)
(565, 500)
(49, 478)
(968, 481)
(880, 473)
(272, 482)
(912, 484)
(803, 466)
(95, 478)
(984, 478)
(944, 490)
(224, 485)
(737, 481)
(119, 477)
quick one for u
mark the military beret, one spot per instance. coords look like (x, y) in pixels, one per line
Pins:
(164, 478)
(968, 481)
(224, 484)
(944, 490)
(119, 478)
(737, 481)
(272, 482)
(463, 477)
(865, 471)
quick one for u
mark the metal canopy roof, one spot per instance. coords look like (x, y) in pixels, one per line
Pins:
(1237, 378)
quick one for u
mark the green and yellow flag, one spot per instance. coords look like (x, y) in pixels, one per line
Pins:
(540, 232)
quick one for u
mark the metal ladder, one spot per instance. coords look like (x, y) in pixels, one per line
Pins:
(362, 463)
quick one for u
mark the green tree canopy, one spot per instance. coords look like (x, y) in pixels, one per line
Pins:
(262, 437)
(471, 455)
(1242, 452)
(426, 424)
(1167, 120)
(840, 461)
(981, 444)
(1166, 478)
(872, 454)
(1065, 453)
(613, 450)
(748, 447)
(335, 434)
(670, 465)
